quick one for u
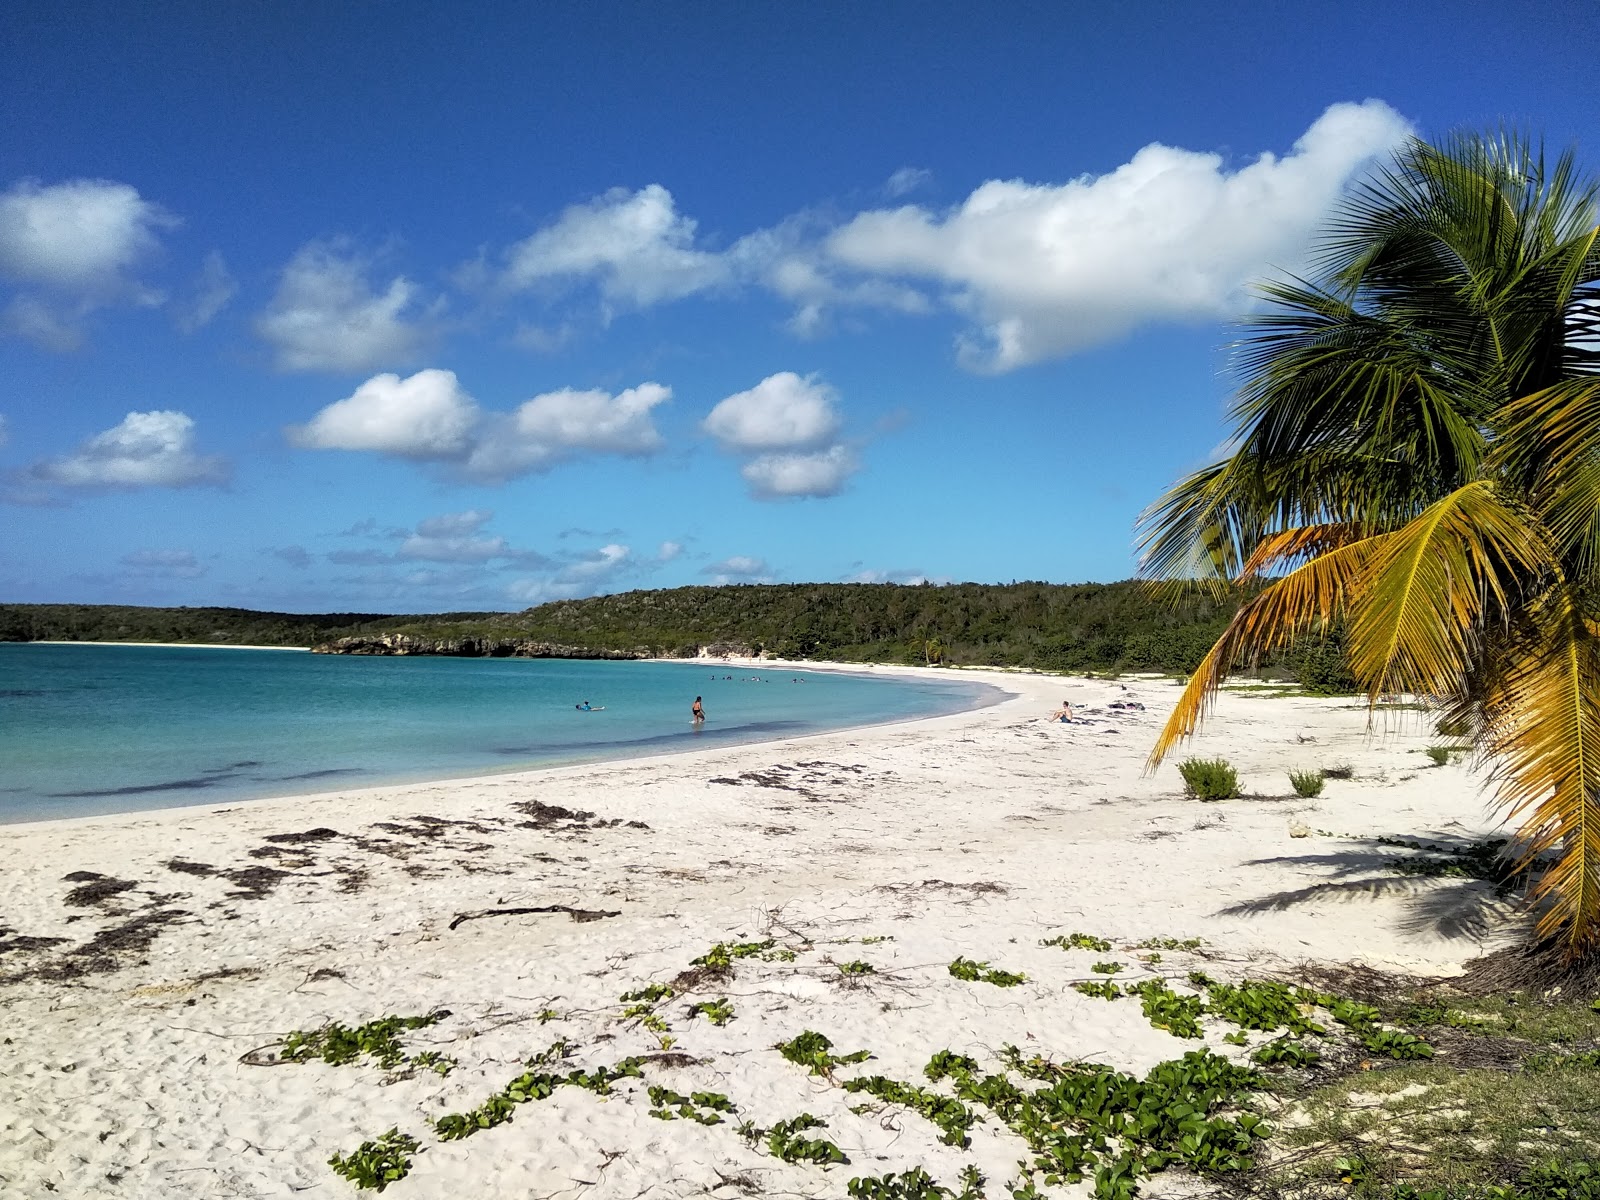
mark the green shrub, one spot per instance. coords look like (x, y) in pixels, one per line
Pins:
(1439, 754)
(376, 1164)
(1209, 778)
(1306, 783)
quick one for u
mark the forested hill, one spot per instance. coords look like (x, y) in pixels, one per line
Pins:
(1053, 626)
(236, 626)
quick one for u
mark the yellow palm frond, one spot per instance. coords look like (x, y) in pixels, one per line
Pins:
(1547, 740)
(1292, 546)
(1307, 597)
(1415, 617)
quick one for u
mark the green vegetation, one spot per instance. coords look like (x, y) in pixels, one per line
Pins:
(704, 1107)
(1415, 467)
(1078, 941)
(499, 1108)
(915, 1184)
(813, 1050)
(1103, 988)
(1439, 754)
(857, 967)
(787, 1141)
(338, 1044)
(952, 1117)
(718, 1012)
(1307, 784)
(981, 972)
(1209, 778)
(378, 1163)
(1063, 627)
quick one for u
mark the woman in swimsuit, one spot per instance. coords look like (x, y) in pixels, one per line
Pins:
(698, 713)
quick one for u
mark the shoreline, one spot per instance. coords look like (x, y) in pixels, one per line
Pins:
(150, 954)
(869, 670)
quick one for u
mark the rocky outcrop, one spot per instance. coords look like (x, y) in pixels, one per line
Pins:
(468, 647)
(513, 647)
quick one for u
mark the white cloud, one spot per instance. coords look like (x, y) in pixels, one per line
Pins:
(209, 294)
(427, 416)
(906, 180)
(166, 564)
(557, 425)
(636, 245)
(608, 560)
(454, 549)
(461, 524)
(80, 236)
(326, 317)
(789, 427)
(782, 412)
(148, 449)
(784, 476)
(588, 575)
(738, 568)
(667, 552)
(57, 327)
(1048, 269)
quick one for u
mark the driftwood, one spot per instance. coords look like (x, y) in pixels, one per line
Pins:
(577, 914)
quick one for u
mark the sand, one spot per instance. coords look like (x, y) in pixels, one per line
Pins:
(213, 933)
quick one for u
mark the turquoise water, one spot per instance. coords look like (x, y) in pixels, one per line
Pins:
(88, 729)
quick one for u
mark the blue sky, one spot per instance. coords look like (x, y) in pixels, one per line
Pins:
(398, 307)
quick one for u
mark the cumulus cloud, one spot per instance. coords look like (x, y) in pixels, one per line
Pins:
(297, 557)
(81, 236)
(429, 417)
(461, 524)
(209, 293)
(782, 412)
(665, 554)
(164, 564)
(635, 245)
(788, 427)
(148, 449)
(327, 317)
(739, 568)
(1047, 269)
(1038, 269)
(590, 574)
(786, 476)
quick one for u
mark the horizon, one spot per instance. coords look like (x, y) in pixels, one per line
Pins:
(470, 311)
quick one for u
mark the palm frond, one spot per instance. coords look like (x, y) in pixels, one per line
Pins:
(1547, 741)
(1307, 598)
(1415, 622)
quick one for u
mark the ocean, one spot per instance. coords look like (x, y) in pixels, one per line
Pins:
(90, 729)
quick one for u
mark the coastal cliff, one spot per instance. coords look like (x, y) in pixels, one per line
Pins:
(513, 647)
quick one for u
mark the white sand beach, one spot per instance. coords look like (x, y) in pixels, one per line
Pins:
(210, 934)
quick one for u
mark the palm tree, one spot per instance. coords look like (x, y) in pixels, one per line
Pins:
(1417, 462)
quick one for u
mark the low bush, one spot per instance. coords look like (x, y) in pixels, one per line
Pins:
(1209, 778)
(1439, 754)
(1306, 783)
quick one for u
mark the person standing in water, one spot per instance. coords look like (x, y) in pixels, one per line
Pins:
(698, 713)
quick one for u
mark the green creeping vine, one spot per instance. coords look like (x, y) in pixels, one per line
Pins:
(1102, 988)
(653, 993)
(915, 1184)
(378, 1163)
(1106, 968)
(1168, 943)
(787, 1141)
(951, 1116)
(499, 1108)
(1287, 1052)
(718, 1012)
(981, 972)
(722, 955)
(1166, 1009)
(668, 1105)
(811, 1049)
(946, 1063)
(1078, 941)
(338, 1044)
(857, 967)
